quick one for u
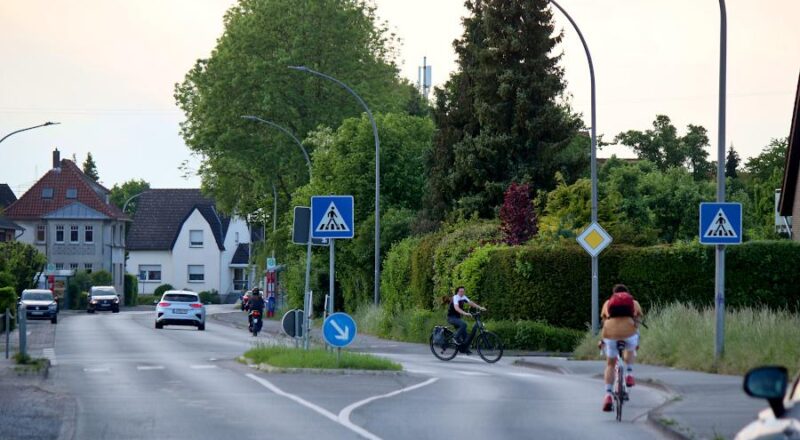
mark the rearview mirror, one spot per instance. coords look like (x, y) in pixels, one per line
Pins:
(768, 383)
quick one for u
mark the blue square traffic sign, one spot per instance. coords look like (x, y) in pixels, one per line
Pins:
(332, 216)
(721, 223)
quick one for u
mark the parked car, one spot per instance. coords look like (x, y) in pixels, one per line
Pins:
(782, 419)
(39, 304)
(102, 298)
(180, 307)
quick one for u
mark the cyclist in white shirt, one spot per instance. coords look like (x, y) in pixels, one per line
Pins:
(454, 312)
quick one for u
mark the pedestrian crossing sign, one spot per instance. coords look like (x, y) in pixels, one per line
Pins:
(720, 223)
(332, 216)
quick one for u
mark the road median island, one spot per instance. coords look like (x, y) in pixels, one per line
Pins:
(276, 359)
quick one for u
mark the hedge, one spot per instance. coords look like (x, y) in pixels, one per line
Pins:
(131, 288)
(161, 289)
(551, 284)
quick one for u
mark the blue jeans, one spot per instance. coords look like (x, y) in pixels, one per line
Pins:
(461, 333)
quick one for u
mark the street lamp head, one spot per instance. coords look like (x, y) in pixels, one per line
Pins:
(51, 123)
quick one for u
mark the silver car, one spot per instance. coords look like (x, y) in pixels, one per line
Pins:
(782, 419)
(180, 307)
(39, 304)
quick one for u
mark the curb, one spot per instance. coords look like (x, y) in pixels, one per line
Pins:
(267, 368)
(538, 366)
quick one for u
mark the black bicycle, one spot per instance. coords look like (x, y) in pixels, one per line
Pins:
(488, 344)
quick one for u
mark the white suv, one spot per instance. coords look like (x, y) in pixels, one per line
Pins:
(180, 307)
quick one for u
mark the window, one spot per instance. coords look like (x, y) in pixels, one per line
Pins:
(196, 273)
(59, 266)
(59, 233)
(47, 193)
(150, 272)
(113, 234)
(73, 266)
(88, 234)
(196, 238)
(41, 233)
(87, 267)
(73, 233)
(72, 193)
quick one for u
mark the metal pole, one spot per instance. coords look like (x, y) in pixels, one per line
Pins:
(283, 129)
(719, 282)
(274, 218)
(23, 331)
(331, 268)
(377, 174)
(29, 128)
(306, 288)
(595, 268)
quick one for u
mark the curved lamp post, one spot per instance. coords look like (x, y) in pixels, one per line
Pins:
(289, 133)
(124, 206)
(377, 173)
(595, 294)
(719, 279)
(29, 128)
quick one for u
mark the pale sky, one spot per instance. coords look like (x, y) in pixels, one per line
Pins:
(106, 69)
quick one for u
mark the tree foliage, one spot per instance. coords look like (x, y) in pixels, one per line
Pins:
(90, 168)
(663, 146)
(122, 193)
(517, 219)
(248, 74)
(732, 164)
(499, 116)
(19, 265)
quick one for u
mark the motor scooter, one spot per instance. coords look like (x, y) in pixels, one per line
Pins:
(255, 322)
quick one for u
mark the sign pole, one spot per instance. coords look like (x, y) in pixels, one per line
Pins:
(331, 272)
(719, 284)
(307, 287)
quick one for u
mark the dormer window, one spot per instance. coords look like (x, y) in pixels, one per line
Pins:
(196, 238)
(72, 193)
(47, 193)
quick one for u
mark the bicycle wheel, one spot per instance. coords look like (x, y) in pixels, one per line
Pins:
(619, 392)
(490, 347)
(446, 351)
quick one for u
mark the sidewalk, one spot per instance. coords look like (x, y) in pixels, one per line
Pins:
(703, 406)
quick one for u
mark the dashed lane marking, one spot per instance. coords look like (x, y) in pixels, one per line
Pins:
(472, 373)
(202, 367)
(96, 370)
(149, 367)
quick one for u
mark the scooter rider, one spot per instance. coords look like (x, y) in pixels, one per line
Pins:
(255, 303)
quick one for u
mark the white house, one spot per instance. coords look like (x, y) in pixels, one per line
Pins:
(179, 238)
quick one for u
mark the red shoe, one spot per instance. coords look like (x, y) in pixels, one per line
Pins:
(607, 403)
(629, 382)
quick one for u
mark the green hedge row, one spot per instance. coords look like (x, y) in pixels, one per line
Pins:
(551, 283)
(536, 336)
(131, 288)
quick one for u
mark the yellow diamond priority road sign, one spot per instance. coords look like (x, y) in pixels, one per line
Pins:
(594, 239)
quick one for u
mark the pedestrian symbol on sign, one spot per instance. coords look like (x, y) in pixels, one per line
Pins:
(720, 227)
(332, 221)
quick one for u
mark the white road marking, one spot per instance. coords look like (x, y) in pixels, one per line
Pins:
(50, 353)
(472, 373)
(149, 367)
(202, 367)
(428, 372)
(525, 375)
(96, 370)
(344, 415)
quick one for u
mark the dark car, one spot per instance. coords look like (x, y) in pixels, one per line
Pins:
(782, 419)
(39, 304)
(102, 298)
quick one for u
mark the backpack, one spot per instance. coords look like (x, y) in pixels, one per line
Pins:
(620, 304)
(439, 337)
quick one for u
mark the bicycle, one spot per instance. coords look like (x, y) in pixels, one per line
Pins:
(620, 390)
(488, 344)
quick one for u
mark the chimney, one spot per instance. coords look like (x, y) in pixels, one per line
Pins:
(56, 158)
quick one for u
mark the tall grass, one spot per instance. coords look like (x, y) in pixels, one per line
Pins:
(288, 357)
(682, 336)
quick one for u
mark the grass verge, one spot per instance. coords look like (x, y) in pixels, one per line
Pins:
(682, 336)
(286, 357)
(27, 364)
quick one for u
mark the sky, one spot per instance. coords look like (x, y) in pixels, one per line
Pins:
(105, 69)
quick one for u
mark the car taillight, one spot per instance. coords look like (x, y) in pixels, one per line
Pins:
(195, 305)
(163, 304)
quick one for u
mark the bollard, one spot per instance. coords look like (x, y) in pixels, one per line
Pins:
(23, 331)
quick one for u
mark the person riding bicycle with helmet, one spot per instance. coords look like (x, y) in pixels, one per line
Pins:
(621, 316)
(454, 312)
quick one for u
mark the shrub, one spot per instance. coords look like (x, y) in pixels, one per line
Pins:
(456, 246)
(8, 300)
(421, 285)
(161, 289)
(210, 297)
(146, 300)
(131, 288)
(102, 278)
(396, 276)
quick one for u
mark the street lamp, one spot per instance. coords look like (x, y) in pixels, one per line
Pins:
(595, 294)
(285, 130)
(719, 279)
(29, 128)
(125, 260)
(377, 173)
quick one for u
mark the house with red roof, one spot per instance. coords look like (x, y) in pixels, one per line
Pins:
(67, 216)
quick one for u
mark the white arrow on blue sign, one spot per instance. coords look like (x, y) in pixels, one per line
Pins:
(339, 329)
(720, 223)
(332, 216)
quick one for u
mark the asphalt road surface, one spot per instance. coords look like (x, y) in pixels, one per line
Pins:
(132, 381)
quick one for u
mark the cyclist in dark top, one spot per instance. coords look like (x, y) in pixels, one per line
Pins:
(454, 312)
(255, 303)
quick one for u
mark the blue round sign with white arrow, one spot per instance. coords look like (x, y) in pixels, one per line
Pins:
(339, 329)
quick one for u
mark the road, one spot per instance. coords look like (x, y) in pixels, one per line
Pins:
(132, 381)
